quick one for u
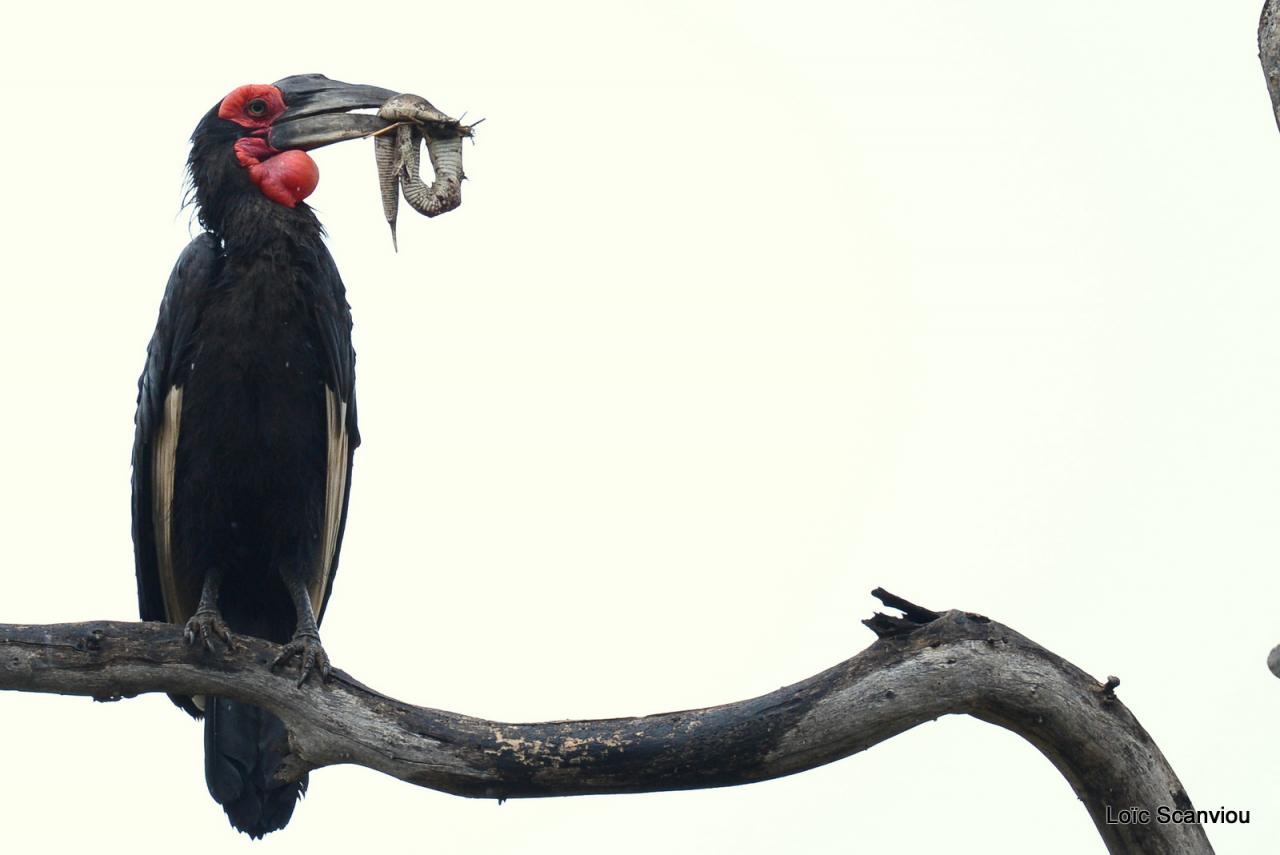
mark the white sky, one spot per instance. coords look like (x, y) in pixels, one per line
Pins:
(747, 311)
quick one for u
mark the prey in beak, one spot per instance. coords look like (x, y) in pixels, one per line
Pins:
(272, 127)
(396, 152)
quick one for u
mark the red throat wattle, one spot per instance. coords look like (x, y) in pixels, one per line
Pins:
(286, 177)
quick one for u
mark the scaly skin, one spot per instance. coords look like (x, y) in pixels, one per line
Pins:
(398, 158)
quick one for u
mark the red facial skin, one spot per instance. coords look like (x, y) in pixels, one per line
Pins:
(286, 177)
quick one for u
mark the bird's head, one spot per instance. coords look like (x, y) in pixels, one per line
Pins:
(254, 142)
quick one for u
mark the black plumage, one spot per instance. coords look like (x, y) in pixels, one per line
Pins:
(245, 430)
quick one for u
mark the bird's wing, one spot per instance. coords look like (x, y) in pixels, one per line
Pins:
(162, 595)
(333, 320)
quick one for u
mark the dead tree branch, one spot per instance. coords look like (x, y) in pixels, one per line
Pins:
(1269, 55)
(923, 666)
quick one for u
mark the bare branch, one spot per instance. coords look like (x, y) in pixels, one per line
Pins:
(1269, 55)
(925, 665)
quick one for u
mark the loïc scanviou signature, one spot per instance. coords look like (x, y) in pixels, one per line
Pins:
(1170, 815)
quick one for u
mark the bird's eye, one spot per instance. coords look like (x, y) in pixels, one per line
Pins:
(256, 108)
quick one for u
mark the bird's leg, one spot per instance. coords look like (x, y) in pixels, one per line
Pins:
(306, 636)
(207, 623)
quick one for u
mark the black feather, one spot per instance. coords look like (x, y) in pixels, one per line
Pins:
(243, 750)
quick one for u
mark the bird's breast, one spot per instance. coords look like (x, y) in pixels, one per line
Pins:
(254, 386)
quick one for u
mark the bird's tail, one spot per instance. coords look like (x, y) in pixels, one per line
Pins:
(244, 747)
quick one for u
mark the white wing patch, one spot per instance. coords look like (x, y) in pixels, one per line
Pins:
(164, 461)
(164, 453)
(334, 491)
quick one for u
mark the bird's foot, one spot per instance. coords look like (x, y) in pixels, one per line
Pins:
(311, 656)
(205, 626)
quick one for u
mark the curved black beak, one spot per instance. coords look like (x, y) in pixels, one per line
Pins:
(316, 112)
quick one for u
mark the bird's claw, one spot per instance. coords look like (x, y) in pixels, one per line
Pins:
(311, 657)
(206, 625)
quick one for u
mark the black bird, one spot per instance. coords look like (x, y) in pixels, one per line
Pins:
(246, 420)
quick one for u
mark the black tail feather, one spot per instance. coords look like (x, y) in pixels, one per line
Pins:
(244, 747)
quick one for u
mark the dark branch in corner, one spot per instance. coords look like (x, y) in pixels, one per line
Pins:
(1269, 55)
(925, 664)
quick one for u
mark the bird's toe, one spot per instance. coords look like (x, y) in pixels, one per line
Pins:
(311, 657)
(206, 628)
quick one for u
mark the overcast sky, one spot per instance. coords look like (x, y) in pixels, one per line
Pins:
(749, 309)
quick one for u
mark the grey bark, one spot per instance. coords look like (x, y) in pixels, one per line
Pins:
(923, 666)
(1269, 55)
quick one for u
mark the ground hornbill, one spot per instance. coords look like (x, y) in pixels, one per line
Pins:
(246, 418)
